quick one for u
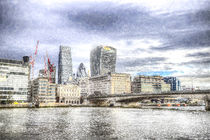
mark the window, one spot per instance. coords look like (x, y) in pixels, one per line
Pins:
(6, 88)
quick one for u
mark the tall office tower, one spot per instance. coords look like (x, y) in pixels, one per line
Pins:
(64, 65)
(102, 60)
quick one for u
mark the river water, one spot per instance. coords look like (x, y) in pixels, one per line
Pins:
(103, 123)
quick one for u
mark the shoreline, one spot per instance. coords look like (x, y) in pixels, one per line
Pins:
(180, 108)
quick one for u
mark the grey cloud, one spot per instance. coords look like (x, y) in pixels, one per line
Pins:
(124, 21)
(138, 51)
(201, 16)
(199, 54)
(187, 30)
(180, 30)
(204, 61)
(187, 40)
(129, 21)
(8, 53)
(11, 18)
(140, 61)
(109, 17)
(196, 76)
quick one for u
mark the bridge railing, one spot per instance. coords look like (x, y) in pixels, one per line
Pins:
(155, 93)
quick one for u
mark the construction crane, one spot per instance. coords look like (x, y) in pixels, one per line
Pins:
(32, 62)
(45, 66)
(50, 68)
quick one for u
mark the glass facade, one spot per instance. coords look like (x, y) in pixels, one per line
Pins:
(174, 82)
(64, 65)
(102, 60)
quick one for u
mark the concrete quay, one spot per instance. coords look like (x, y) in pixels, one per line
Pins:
(43, 105)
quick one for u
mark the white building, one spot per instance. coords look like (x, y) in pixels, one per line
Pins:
(68, 94)
(14, 80)
(43, 91)
(113, 83)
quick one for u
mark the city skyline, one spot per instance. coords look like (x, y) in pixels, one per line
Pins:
(165, 37)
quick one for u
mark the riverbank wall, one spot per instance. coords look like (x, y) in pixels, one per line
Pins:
(42, 105)
(131, 105)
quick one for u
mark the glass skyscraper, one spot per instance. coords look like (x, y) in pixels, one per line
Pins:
(64, 65)
(102, 60)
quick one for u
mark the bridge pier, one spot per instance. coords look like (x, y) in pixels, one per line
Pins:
(207, 100)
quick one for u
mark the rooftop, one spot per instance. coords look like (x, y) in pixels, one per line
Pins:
(11, 61)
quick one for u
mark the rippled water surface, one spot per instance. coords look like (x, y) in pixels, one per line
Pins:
(103, 123)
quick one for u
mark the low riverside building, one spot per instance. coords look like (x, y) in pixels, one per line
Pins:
(68, 94)
(165, 87)
(149, 84)
(43, 91)
(112, 83)
(14, 80)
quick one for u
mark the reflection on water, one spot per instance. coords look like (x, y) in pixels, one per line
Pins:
(103, 123)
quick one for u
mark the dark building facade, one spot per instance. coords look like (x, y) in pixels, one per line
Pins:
(64, 65)
(102, 60)
(174, 82)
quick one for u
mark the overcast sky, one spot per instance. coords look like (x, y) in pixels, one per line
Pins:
(167, 37)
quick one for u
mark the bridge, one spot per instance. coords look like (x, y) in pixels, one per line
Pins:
(131, 98)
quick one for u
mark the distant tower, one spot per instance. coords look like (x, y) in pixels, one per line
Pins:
(81, 72)
(174, 82)
(64, 65)
(102, 60)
